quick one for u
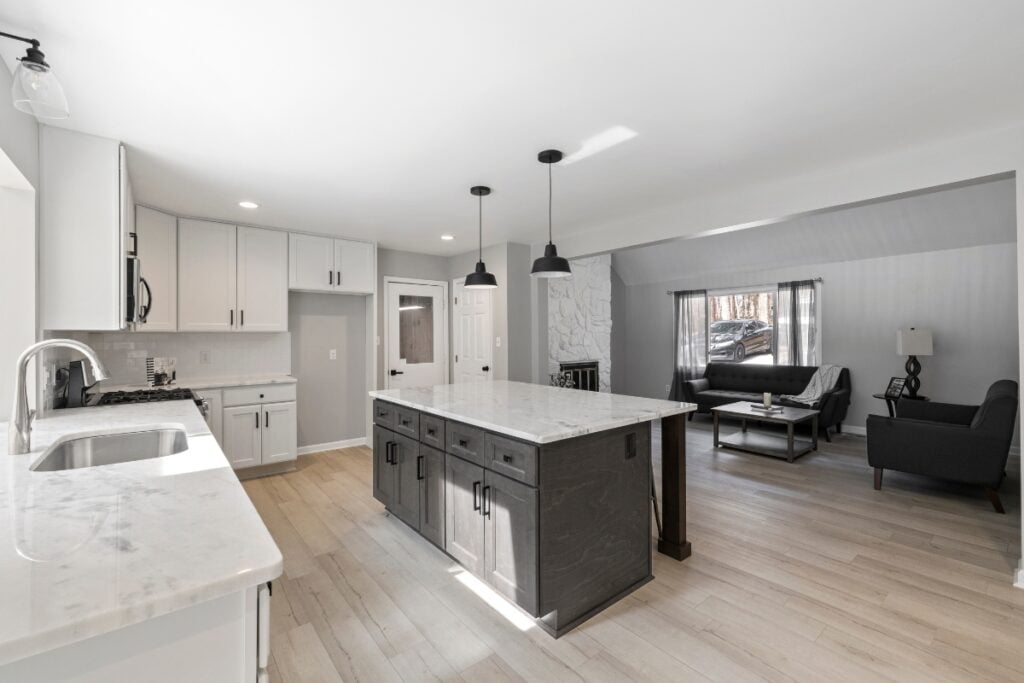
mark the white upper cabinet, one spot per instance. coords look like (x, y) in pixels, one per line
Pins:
(322, 264)
(353, 265)
(262, 280)
(310, 263)
(156, 240)
(85, 217)
(206, 276)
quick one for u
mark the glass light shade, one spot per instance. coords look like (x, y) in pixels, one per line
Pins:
(551, 264)
(37, 91)
(480, 278)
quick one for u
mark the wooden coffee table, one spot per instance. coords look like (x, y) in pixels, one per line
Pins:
(788, 447)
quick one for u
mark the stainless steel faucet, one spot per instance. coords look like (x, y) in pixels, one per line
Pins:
(19, 431)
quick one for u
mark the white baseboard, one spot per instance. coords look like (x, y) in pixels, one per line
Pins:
(1019, 580)
(333, 445)
(856, 431)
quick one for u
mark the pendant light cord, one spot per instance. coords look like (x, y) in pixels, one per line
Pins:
(480, 223)
(549, 203)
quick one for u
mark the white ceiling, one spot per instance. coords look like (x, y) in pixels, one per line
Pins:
(966, 216)
(372, 119)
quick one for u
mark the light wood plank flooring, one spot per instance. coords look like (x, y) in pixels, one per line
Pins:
(799, 572)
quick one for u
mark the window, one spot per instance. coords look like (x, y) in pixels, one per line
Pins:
(740, 327)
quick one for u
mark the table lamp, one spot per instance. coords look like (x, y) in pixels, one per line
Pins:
(913, 342)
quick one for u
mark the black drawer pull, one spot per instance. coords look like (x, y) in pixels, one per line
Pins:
(487, 503)
(476, 495)
(387, 452)
(431, 431)
(463, 443)
(630, 446)
(405, 423)
(506, 457)
(419, 467)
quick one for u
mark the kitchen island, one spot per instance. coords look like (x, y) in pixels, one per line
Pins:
(542, 492)
(155, 570)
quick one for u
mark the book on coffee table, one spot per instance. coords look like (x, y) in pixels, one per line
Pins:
(772, 409)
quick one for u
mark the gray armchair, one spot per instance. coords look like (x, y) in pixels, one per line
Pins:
(968, 444)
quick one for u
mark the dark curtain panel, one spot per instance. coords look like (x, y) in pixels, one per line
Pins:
(691, 342)
(796, 327)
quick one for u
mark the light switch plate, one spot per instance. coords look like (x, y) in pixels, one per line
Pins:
(333, 354)
(497, 342)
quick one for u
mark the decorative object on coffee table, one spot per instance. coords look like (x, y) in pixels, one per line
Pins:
(788, 447)
(912, 342)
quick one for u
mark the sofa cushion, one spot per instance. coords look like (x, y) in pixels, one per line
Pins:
(718, 397)
(778, 379)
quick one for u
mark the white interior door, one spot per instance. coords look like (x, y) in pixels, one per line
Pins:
(473, 325)
(416, 334)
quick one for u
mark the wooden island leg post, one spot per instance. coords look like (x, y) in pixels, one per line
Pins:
(673, 488)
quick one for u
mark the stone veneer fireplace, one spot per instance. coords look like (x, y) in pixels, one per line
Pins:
(580, 318)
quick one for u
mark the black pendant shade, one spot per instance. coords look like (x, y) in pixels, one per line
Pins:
(480, 278)
(550, 264)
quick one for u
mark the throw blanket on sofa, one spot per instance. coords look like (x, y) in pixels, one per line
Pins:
(823, 380)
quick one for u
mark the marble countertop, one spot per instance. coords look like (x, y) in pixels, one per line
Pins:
(200, 383)
(533, 412)
(87, 551)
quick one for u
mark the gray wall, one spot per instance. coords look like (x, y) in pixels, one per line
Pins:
(331, 393)
(519, 313)
(19, 133)
(619, 341)
(965, 296)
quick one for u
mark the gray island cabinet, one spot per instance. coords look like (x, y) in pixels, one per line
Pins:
(544, 493)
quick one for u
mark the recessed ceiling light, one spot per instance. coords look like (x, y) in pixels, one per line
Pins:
(447, 238)
(249, 205)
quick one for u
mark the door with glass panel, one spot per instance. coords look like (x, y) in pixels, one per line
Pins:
(416, 335)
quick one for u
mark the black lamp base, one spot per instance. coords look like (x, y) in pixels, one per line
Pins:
(913, 369)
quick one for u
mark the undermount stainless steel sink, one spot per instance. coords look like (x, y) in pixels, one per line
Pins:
(110, 449)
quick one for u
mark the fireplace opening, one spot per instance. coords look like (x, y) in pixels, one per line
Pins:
(580, 374)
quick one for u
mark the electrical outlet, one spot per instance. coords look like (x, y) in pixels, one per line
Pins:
(204, 357)
(668, 387)
(497, 342)
(333, 354)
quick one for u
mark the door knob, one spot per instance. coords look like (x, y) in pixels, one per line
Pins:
(396, 372)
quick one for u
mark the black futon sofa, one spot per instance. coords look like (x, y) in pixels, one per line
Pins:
(730, 382)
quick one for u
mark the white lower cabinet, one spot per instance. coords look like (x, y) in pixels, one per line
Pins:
(264, 429)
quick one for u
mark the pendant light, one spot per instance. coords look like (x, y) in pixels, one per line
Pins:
(550, 264)
(480, 278)
(36, 90)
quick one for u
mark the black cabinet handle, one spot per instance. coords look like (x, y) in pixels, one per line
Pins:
(431, 431)
(267, 416)
(486, 368)
(419, 467)
(463, 443)
(231, 315)
(630, 446)
(506, 458)
(389, 453)
(476, 495)
(134, 251)
(487, 502)
(242, 319)
(330, 277)
(257, 419)
(339, 278)
(396, 372)
(405, 423)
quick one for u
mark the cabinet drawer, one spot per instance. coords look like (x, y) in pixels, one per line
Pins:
(269, 393)
(432, 431)
(514, 459)
(466, 442)
(407, 421)
(384, 413)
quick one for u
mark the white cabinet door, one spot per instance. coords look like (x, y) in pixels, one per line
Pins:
(310, 263)
(157, 242)
(262, 281)
(242, 442)
(279, 432)
(353, 265)
(206, 276)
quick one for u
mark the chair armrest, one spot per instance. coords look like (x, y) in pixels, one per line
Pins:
(933, 411)
(937, 449)
(833, 406)
(692, 387)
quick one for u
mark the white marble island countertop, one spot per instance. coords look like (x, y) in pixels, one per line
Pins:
(533, 412)
(87, 551)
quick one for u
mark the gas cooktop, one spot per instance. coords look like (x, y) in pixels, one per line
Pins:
(146, 396)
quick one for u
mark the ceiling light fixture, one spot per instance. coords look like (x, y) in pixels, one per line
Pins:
(480, 278)
(550, 264)
(248, 205)
(36, 89)
(447, 238)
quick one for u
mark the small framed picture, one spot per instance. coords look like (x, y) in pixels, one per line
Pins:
(895, 388)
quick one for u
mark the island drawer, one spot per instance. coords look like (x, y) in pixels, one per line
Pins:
(432, 431)
(407, 421)
(515, 459)
(466, 442)
(384, 414)
(269, 393)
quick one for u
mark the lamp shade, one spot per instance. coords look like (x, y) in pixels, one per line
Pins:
(913, 342)
(480, 278)
(551, 264)
(37, 91)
